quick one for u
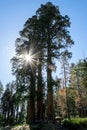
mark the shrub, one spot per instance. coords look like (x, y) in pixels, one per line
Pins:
(75, 123)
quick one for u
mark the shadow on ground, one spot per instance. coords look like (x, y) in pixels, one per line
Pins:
(40, 126)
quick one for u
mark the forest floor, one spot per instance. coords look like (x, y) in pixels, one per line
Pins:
(17, 127)
(36, 127)
(33, 127)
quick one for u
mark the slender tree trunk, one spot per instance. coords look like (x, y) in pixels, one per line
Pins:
(12, 112)
(17, 112)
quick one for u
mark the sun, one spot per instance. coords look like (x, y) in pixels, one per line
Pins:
(31, 58)
(28, 57)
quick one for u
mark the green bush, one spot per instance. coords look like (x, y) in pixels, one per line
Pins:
(75, 123)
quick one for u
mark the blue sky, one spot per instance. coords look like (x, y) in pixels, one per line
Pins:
(14, 13)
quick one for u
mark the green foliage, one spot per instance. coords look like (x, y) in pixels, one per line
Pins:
(1, 88)
(75, 123)
(1, 120)
(22, 115)
(78, 83)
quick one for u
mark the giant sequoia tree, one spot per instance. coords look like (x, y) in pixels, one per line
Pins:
(45, 36)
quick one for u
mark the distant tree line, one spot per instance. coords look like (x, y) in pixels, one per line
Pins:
(14, 100)
(72, 100)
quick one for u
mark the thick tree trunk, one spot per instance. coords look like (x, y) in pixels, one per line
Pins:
(39, 95)
(31, 102)
(50, 111)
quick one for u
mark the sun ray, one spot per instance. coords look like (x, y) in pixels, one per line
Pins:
(31, 56)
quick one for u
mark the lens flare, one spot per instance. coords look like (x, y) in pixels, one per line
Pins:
(28, 57)
(31, 57)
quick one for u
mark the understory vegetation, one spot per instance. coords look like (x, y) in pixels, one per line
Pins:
(75, 123)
